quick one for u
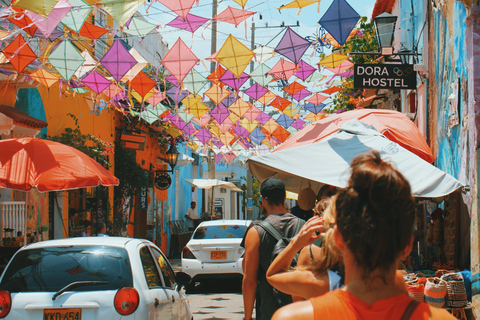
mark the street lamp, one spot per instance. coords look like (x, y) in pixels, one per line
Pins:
(385, 27)
(404, 54)
(172, 157)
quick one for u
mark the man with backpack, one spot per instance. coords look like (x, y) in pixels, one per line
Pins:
(260, 242)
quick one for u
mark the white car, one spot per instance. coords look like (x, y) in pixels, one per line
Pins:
(92, 278)
(214, 250)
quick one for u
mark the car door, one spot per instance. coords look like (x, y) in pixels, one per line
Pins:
(179, 299)
(162, 304)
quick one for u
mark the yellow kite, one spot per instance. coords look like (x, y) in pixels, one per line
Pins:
(298, 4)
(44, 77)
(332, 60)
(234, 56)
(120, 10)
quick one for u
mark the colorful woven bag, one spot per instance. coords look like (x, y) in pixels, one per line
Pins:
(456, 292)
(435, 292)
(416, 292)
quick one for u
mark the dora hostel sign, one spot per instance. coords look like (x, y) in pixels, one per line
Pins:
(385, 76)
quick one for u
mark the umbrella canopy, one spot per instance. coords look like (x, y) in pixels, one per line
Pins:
(328, 162)
(211, 183)
(49, 166)
(392, 124)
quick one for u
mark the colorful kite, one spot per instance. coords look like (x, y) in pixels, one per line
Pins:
(234, 56)
(139, 28)
(292, 46)
(317, 99)
(19, 53)
(194, 81)
(315, 108)
(233, 81)
(217, 94)
(76, 17)
(283, 70)
(91, 31)
(280, 103)
(215, 76)
(121, 11)
(191, 23)
(47, 25)
(42, 7)
(179, 60)
(44, 77)
(263, 54)
(141, 64)
(180, 7)
(233, 16)
(118, 60)
(304, 70)
(260, 76)
(333, 60)
(256, 91)
(142, 84)
(96, 82)
(22, 21)
(66, 59)
(339, 20)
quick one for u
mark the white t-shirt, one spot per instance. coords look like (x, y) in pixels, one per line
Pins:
(192, 213)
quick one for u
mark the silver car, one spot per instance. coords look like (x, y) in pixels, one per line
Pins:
(214, 251)
(92, 278)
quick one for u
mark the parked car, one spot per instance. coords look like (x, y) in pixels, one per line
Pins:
(92, 278)
(214, 251)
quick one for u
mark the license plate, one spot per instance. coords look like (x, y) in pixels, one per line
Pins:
(62, 314)
(216, 255)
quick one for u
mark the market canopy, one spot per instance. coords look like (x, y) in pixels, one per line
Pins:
(298, 165)
(213, 183)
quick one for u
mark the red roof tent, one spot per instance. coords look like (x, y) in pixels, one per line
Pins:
(21, 117)
(382, 6)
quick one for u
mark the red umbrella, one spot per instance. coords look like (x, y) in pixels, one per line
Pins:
(394, 125)
(48, 166)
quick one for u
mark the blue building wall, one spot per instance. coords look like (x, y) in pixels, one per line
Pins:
(30, 102)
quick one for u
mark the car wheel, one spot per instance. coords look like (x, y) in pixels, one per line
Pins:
(190, 287)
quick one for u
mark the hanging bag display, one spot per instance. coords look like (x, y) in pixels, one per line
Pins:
(456, 292)
(435, 292)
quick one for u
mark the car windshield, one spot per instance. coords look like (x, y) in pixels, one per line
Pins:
(52, 268)
(225, 231)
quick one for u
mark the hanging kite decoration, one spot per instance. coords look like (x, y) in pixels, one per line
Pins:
(339, 20)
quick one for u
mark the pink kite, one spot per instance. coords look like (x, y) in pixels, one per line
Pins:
(283, 69)
(47, 25)
(96, 82)
(180, 7)
(191, 23)
(179, 60)
(233, 16)
(317, 98)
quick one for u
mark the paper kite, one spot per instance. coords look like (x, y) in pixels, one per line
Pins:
(298, 124)
(250, 126)
(256, 91)
(281, 134)
(19, 53)
(332, 60)
(22, 21)
(331, 90)
(194, 81)
(317, 98)
(240, 107)
(191, 100)
(300, 95)
(66, 59)
(260, 76)
(178, 122)
(242, 3)
(220, 113)
(215, 76)
(121, 11)
(96, 82)
(229, 156)
(156, 98)
(266, 98)
(176, 94)
(257, 136)
(342, 67)
(92, 31)
(44, 77)
(179, 60)
(280, 103)
(191, 23)
(185, 116)
(42, 7)
(198, 109)
(304, 70)
(252, 114)
(118, 60)
(230, 99)
(142, 84)
(189, 128)
(292, 46)
(339, 20)
(234, 56)
(205, 119)
(203, 135)
(233, 81)
(114, 90)
(139, 66)
(47, 25)
(88, 65)
(298, 4)
(152, 114)
(139, 28)
(293, 110)
(233, 16)
(180, 7)
(328, 37)
(263, 54)
(284, 120)
(293, 88)
(76, 17)
(216, 93)
(225, 125)
(315, 108)
(283, 70)
(263, 118)
(240, 131)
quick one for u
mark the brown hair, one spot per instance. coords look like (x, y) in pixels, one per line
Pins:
(375, 213)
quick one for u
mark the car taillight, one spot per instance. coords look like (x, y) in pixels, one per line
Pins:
(5, 303)
(126, 300)
(187, 254)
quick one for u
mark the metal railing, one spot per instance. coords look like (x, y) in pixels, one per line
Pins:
(12, 215)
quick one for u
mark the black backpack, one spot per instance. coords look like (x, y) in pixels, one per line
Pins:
(281, 298)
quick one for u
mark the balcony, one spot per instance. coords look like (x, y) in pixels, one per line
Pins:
(12, 215)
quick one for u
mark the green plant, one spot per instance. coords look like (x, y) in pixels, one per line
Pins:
(255, 193)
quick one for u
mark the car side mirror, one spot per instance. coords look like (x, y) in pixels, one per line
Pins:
(182, 279)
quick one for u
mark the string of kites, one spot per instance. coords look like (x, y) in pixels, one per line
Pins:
(234, 128)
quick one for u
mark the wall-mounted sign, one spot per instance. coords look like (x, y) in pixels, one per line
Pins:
(162, 180)
(218, 202)
(143, 198)
(385, 76)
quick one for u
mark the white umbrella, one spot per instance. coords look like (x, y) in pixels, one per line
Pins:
(211, 183)
(328, 162)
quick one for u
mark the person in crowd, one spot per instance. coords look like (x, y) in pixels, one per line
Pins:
(100, 229)
(191, 215)
(86, 228)
(74, 230)
(375, 217)
(259, 246)
(322, 272)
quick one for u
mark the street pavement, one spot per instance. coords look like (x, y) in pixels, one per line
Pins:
(220, 300)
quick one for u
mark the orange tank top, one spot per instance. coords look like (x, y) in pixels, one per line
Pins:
(340, 304)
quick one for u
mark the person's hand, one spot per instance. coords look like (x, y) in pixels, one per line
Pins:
(312, 230)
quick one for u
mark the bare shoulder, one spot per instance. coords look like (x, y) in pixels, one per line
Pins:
(440, 314)
(302, 310)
